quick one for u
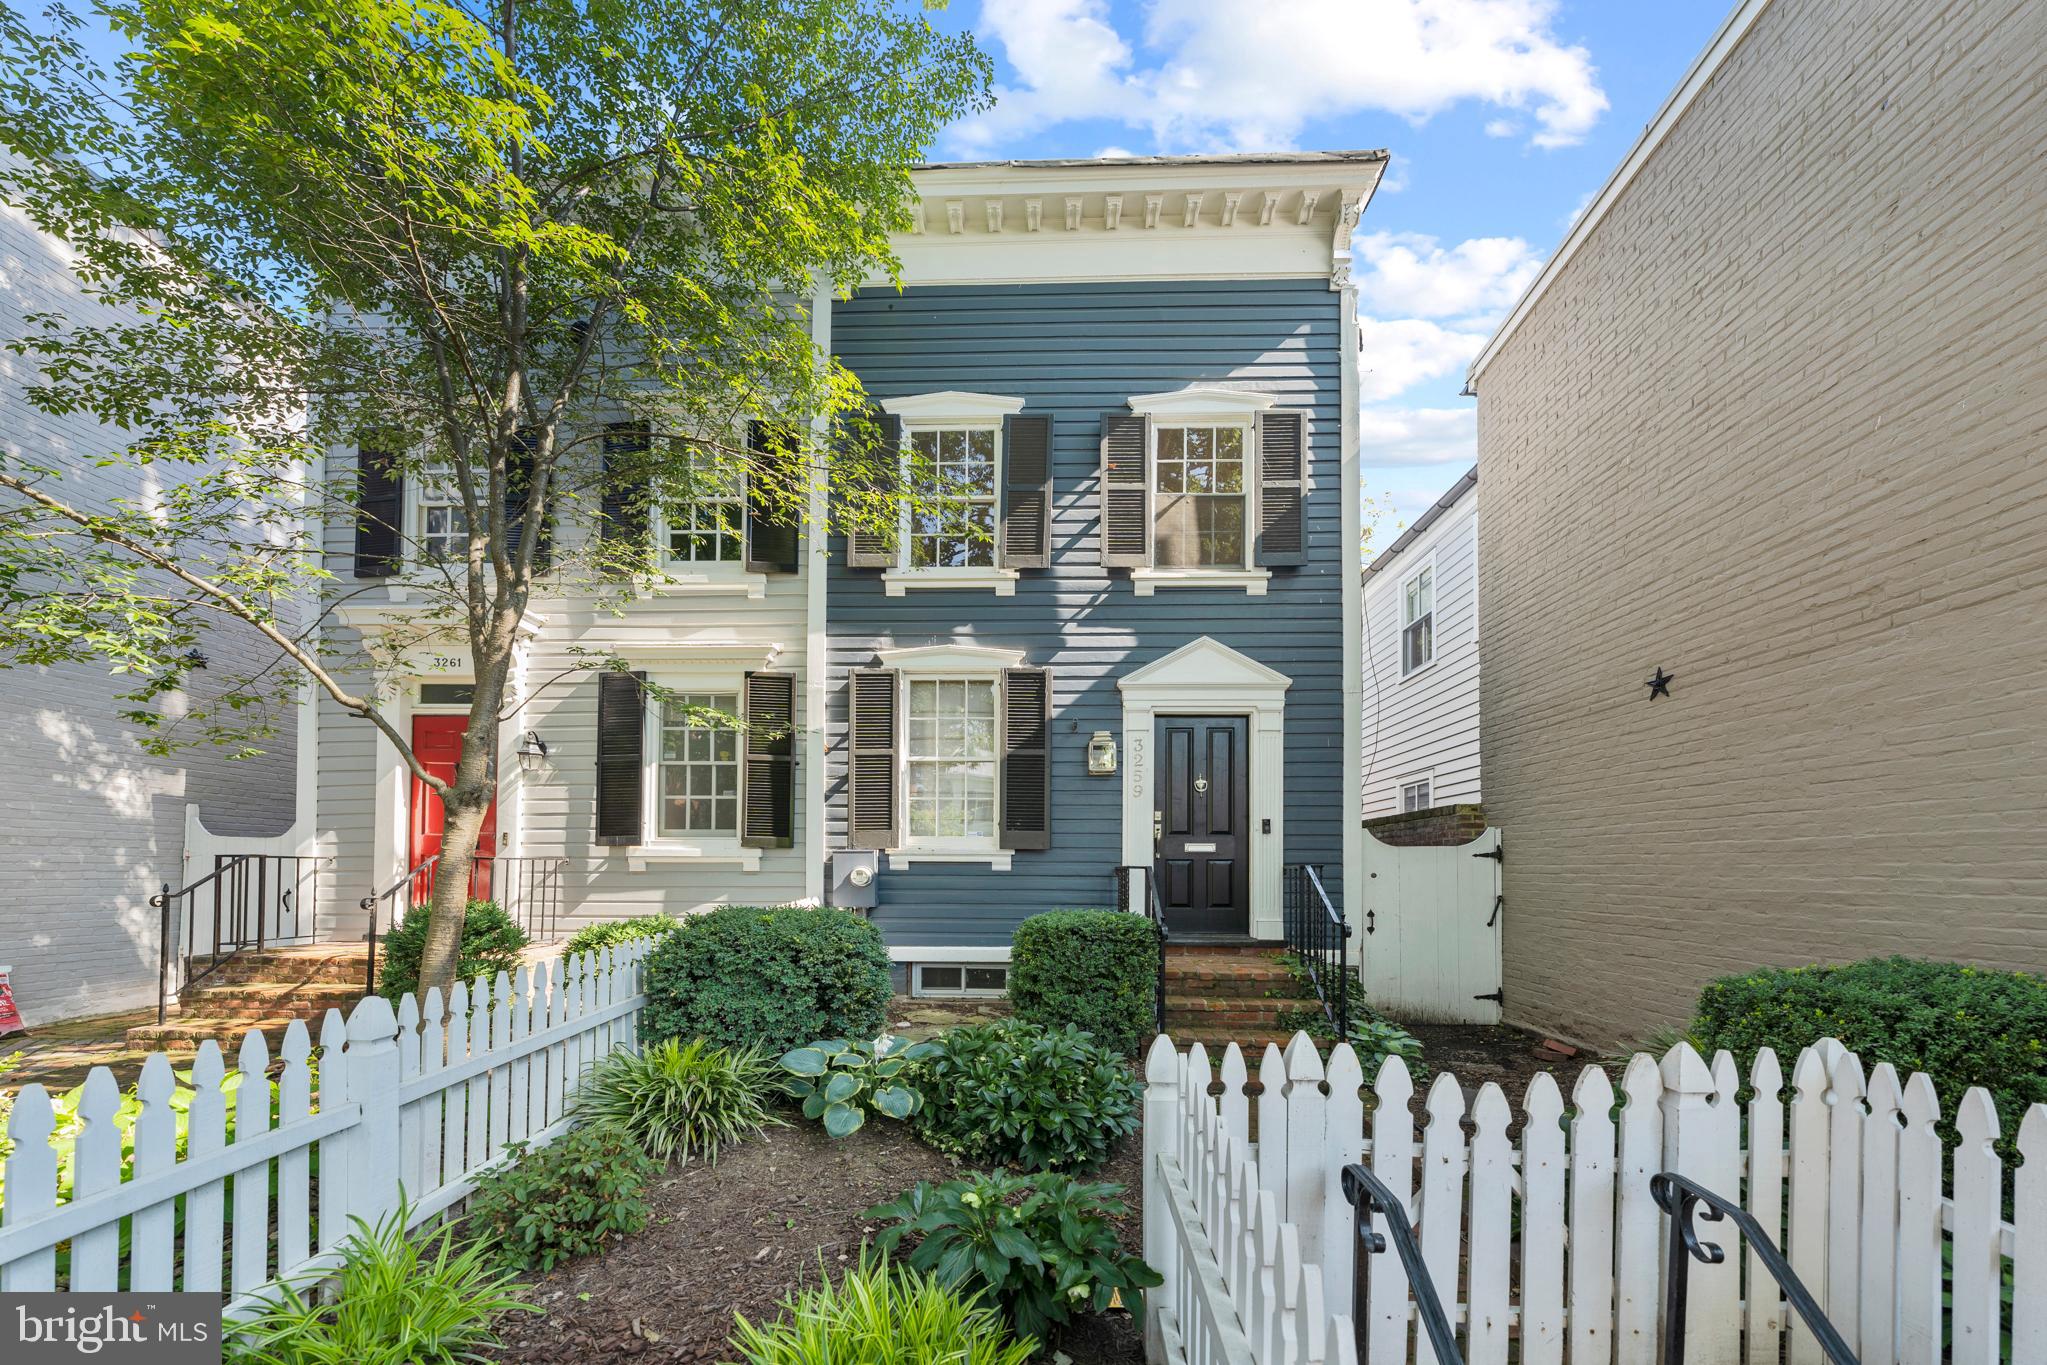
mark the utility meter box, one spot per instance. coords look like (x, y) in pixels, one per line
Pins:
(853, 875)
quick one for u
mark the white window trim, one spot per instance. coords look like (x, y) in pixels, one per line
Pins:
(950, 410)
(1400, 786)
(975, 663)
(688, 577)
(1194, 407)
(1425, 566)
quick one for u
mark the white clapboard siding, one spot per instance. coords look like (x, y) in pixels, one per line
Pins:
(1846, 1176)
(412, 1106)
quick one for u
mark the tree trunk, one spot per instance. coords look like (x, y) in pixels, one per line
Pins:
(463, 808)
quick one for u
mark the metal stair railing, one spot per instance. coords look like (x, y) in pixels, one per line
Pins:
(1681, 1198)
(1368, 1196)
(1319, 938)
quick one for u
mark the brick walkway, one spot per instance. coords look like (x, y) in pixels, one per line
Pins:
(58, 1055)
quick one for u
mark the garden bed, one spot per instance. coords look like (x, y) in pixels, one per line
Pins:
(738, 1236)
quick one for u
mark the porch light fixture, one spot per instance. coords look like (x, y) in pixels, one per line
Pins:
(532, 752)
(1101, 754)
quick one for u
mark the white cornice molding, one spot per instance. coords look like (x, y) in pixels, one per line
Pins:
(697, 651)
(954, 404)
(1694, 83)
(949, 659)
(1202, 400)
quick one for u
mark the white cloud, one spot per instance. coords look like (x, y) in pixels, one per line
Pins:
(1232, 75)
(1112, 152)
(1417, 436)
(1501, 127)
(1412, 273)
(1396, 355)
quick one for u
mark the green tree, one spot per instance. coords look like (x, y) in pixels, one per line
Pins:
(468, 237)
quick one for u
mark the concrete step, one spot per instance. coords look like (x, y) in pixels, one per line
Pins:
(185, 1034)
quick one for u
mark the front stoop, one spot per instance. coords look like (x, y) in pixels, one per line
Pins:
(1218, 996)
(262, 990)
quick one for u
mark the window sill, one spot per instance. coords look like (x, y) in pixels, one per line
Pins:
(1418, 670)
(899, 581)
(1252, 581)
(997, 859)
(644, 856)
(680, 582)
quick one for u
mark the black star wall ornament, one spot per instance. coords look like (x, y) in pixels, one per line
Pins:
(1659, 686)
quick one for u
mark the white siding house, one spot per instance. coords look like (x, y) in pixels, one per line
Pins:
(1420, 737)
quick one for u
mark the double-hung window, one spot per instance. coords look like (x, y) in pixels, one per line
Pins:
(1415, 795)
(1418, 619)
(710, 528)
(951, 511)
(697, 789)
(950, 759)
(1201, 497)
(443, 523)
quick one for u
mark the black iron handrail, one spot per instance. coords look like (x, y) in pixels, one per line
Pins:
(1155, 909)
(239, 890)
(527, 889)
(1681, 1198)
(1319, 939)
(1367, 1196)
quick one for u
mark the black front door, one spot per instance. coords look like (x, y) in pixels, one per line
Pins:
(1203, 815)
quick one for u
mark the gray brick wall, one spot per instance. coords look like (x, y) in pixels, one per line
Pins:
(90, 826)
(1778, 428)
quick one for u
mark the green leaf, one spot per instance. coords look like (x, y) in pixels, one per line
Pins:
(895, 1101)
(841, 1119)
(815, 1105)
(805, 1061)
(841, 1088)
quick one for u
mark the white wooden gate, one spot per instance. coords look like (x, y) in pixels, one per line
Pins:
(1430, 944)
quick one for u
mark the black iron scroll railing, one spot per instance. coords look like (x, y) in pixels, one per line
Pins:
(1369, 1199)
(1681, 1199)
(527, 889)
(249, 901)
(1319, 940)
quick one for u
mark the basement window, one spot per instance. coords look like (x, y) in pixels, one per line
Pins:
(1415, 795)
(961, 979)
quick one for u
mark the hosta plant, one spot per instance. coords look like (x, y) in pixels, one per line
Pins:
(1042, 1247)
(840, 1081)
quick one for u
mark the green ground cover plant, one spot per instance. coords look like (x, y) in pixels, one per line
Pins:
(549, 1204)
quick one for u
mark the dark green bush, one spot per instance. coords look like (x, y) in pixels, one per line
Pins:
(612, 932)
(1046, 1099)
(1096, 969)
(491, 943)
(743, 976)
(1960, 1025)
(562, 1200)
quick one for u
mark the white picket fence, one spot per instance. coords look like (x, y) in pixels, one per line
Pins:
(420, 1102)
(1256, 1239)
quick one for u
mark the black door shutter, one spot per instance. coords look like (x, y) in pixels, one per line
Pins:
(768, 807)
(1026, 758)
(621, 731)
(623, 506)
(865, 548)
(1126, 491)
(1026, 541)
(773, 491)
(379, 512)
(520, 471)
(871, 764)
(1282, 484)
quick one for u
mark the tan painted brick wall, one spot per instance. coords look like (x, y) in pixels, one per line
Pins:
(1781, 428)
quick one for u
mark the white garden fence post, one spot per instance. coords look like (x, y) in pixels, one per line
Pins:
(374, 1144)
(1161, 1115)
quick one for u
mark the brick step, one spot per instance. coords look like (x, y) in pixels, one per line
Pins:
(338, 964)
(268, 1000)
(185, 1035)
(1275, 986)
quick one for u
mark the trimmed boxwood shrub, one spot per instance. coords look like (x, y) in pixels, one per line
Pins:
(774, 978)
(1096, 969)
(1960, 1025)
(612, 932)
(491, 943)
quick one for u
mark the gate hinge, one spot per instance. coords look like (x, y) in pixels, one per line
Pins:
(1498, 997)
(1498, 855)
(1494, 918)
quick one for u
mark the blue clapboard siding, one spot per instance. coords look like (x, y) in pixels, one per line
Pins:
(1076, 351)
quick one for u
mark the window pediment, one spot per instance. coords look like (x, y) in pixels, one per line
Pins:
(951, 405)
(1203, 401)
(949, 659)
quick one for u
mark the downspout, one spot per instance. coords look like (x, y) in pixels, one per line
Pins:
(815, 563)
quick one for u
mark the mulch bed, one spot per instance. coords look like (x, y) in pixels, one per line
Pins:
(739, 1236)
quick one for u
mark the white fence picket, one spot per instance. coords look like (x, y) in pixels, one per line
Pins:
(1307, 1148)
(294, 1166)
(1639, 1263)
(95, 1167)
(1344, 1140)
(1442, 1195)
(205, 1135)
(1878, 1217)
(1764, 1200)
(153, 1259)
(1844, 1198)
(1271, 1120)
(1591, 1218)
(1492, 1221)
(1978, 1262)
(1810, 1180)
(1393, 1163)
(1542, 1224)
(1234, 1103)
(2029, 1240)
(331, 1226)
(250, 1250)
(31, 1188)
(1920, 1241)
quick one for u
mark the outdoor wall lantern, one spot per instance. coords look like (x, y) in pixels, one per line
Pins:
(1101, 754)
(532, 752)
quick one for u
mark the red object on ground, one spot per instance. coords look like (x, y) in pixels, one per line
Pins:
(10, 1017)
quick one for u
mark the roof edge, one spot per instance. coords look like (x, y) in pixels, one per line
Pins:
(1423, 522)
(1120, 162)
(1731, 32)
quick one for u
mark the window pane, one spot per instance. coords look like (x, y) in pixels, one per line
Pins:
(987, 978)
(940, 978)
(1221, 522)
(1229, 443)
(1171, 443)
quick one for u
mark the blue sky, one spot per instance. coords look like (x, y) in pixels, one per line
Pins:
(1503, 118)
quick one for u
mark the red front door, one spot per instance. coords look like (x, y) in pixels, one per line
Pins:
(437, 740)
